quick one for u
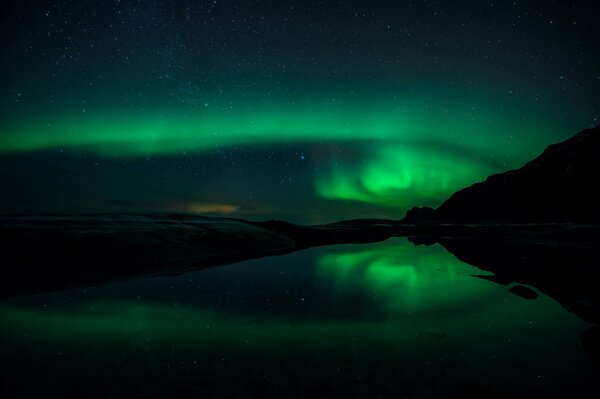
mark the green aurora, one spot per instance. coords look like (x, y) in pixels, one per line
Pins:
(112, 133)
(400, 176)
(310, 113)
(407, 152)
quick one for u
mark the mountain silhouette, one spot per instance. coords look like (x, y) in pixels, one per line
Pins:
(560, 185)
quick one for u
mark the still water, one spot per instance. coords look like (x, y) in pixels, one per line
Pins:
(379, 320)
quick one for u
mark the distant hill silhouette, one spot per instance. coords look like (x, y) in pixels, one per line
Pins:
(560, 185)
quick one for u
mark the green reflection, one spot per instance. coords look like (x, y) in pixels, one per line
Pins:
(139, 323)
(405, 278)
(78, 342)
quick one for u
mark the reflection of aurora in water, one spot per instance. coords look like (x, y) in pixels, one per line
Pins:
(406, 278)
(276, 319)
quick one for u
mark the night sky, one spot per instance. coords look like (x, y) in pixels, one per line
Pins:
(309, 111)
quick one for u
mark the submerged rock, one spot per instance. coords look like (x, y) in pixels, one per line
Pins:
(523, 292)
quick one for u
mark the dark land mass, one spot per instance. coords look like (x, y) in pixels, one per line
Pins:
(560, 185)
(536, 226)
(42, 253)
(565, 268)
(567, 272)
(45, 253)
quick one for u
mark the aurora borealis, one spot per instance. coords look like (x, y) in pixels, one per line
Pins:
(304, 111)
(171, 171)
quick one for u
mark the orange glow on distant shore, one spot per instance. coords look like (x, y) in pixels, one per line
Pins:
(212, 208)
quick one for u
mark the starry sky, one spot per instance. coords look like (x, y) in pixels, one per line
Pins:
(309, 111)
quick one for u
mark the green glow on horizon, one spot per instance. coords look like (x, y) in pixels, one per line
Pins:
(400, 176)
(405, 277)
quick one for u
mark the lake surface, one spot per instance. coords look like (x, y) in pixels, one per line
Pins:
(380, 320)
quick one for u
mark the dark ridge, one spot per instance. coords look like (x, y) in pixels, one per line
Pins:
(314, 236)
(54, 252)
(558, 186)
(565, 271)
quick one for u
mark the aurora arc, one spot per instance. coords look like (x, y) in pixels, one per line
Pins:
(111, 133)
(403, 158)
(400, 176)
